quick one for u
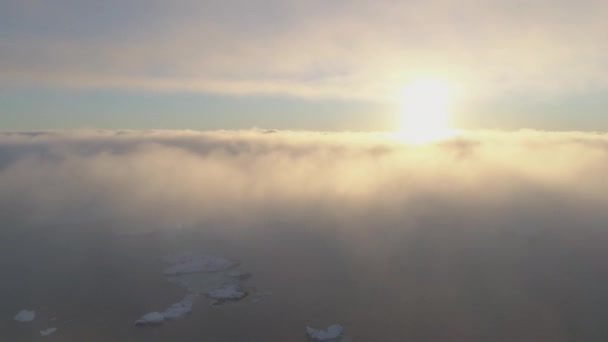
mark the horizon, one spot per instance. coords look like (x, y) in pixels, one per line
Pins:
(304, 170)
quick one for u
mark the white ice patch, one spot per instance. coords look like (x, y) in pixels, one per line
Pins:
(332, 332)
(25, 316)
(179, 309)
(227, 292)
(189, 263)
(47, 332)
(203, 275)
(152, 318)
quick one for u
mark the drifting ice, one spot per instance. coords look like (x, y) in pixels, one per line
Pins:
(25, 316)
(227, 292)
(47, 332)
(152, 318)
(332, 332)
(199, 274)
(179, 309)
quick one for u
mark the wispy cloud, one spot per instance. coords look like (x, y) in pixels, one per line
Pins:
(311, 49)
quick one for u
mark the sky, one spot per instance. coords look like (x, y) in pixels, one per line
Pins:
(299, 65)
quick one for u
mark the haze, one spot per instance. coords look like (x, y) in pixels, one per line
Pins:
(303, 170)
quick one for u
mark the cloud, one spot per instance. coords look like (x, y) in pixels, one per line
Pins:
(505, 231)
(197, 176)
(314, 49)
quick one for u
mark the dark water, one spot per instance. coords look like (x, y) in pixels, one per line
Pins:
(430, 282)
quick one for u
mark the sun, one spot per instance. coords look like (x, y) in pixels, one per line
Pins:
(424, 106)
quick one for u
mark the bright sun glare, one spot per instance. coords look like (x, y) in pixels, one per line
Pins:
(424, 106)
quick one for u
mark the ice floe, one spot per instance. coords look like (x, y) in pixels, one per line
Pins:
(189, 263)
(47, 332)
(180, 308)
(232, 291)
(25, 316)
(211, 276)
(152, 318)
(332, 332)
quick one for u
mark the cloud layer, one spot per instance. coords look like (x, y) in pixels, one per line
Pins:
(485, 236)
(349, 49)
(194, 176)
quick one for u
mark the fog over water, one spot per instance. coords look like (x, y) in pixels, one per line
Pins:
(486, 236)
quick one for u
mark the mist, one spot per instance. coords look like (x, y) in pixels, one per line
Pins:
(256, 176)
(485, 235)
